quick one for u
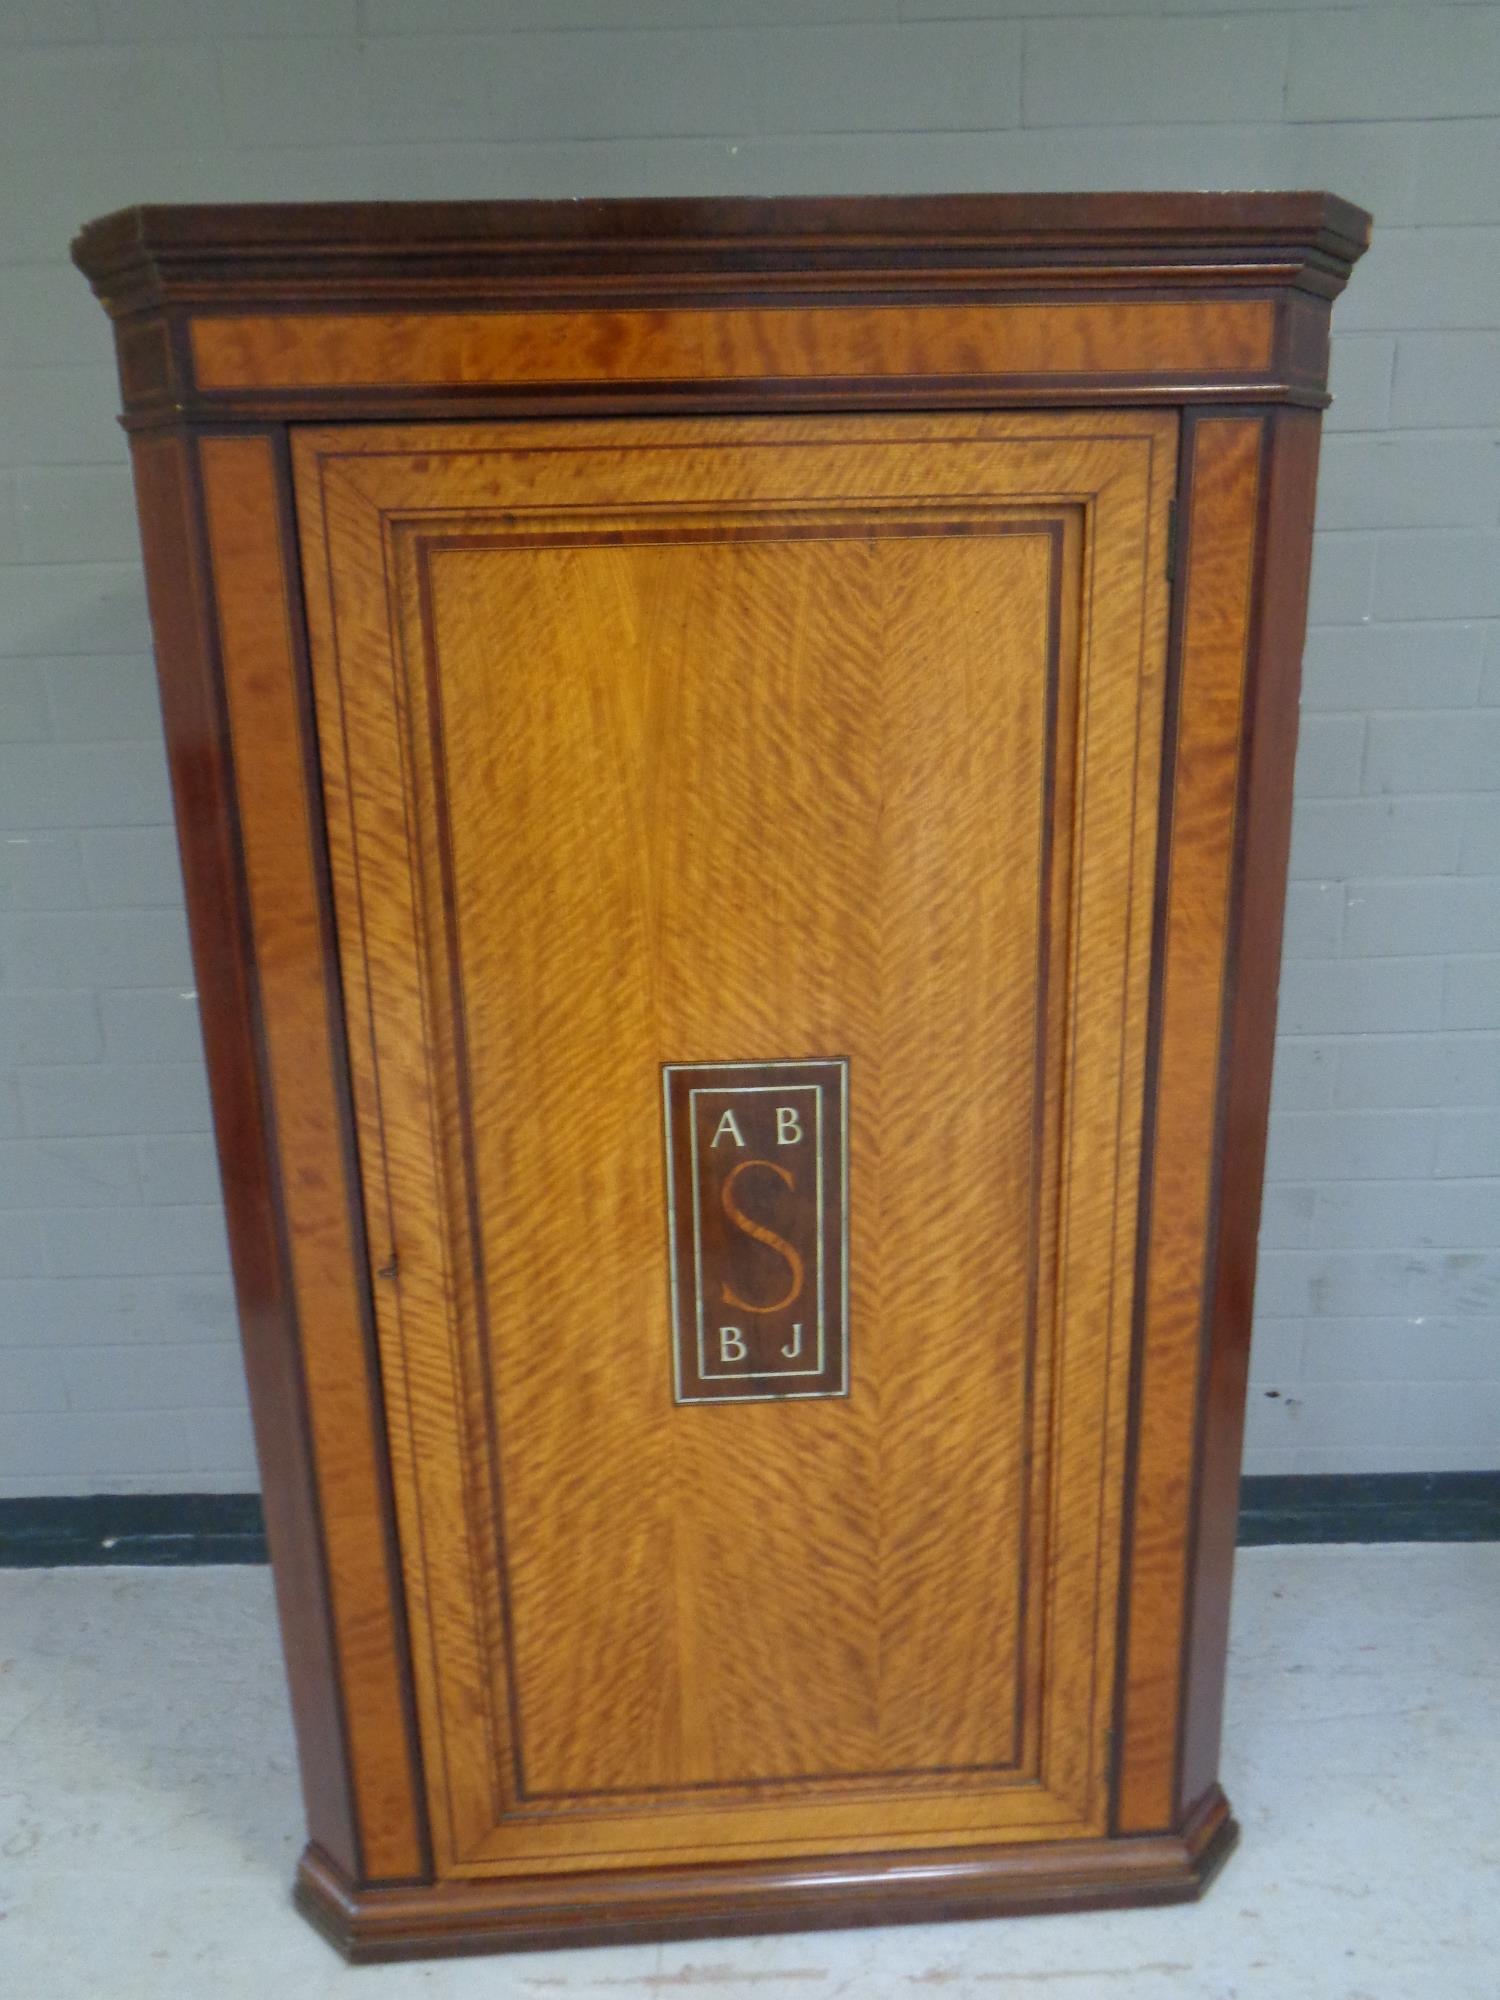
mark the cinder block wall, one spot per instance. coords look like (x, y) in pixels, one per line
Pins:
(1378, 1340)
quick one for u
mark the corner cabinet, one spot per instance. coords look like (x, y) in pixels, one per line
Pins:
(733, 764)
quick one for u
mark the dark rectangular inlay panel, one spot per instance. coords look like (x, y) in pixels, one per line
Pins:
(757, 1214)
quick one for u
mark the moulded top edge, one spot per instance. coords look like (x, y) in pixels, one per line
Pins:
(145, 252)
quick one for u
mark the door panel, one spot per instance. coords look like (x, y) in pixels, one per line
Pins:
(748, 742)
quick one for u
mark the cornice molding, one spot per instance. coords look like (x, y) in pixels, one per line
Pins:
(427, 253)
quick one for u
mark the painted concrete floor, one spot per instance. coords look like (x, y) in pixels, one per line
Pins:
(149, 1810)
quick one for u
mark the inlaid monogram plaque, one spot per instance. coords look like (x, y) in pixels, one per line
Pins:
(757, 1217)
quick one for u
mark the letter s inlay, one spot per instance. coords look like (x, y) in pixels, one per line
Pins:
(761, 1235)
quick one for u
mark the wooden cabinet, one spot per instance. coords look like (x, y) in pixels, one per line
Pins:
(733, 763)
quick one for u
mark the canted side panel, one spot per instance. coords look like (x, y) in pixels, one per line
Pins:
(1223, 473)
(167, 496)
(327, 1274)
(1263, 844)
(1110, 618)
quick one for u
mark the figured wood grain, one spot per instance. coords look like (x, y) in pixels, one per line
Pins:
(688, 754)
(1113, 1502)
(1263, 842)
(1223, 474)
(447, 1918)
(168, 500)
(362, 350)
(276, 830)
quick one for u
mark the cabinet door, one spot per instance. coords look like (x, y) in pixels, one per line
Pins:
(743, 835)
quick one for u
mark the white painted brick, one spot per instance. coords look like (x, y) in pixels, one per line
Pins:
(1343, 574)
(1469, 1143)
(457, 89)
(443, 97)
(1392, 919)
(1360, 370)
(31, 1378)
(109, 700)
(1426, 279)
(75, 608)
(1083, 157)
(1334, 838)
(50, 1027)
(1438, 573)
(1351, 1145)
(1376, 1071)
(37, 1487)
(41, 871)
(1314, 920)
(1393, 666)
(1416, 481)
(10, 519)
(23, 1247)
(1349, 996)
(1458, 171)
(95, 947)
(628, 85)
(574, 167)
(183, 20)
(177, 1169)
(1440, 1215)
(1480, 854)
(48, 21)
(873, 79)
(1276, 1351)
(68, 1100)
(141, 1377)
(133, 868)
(118, 96)
(1302, 1079)
(41, 326)
(1471, 993)
(84, 1312)
(1142, 71)
(1258, 1459)
(1377, 162)
(430, 17)
(68, 785)
(107, 1441)
(76, 513)
(1286, 1214)
(517, 86)
(1437, 62)
(1446, 379)
(1330, 756)
(1401, 1350)
(68, 1173)
(1377, 159)
(1370, 1457)
(59, 416)
(1347, 1414)
(23, 699)
(1433, 753)
(163, 1241)
(152, 1025)
(221, 1440)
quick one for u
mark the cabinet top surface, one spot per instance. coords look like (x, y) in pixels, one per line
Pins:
(139, 256)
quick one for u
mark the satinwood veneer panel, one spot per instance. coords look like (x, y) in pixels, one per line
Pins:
(677, 743)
